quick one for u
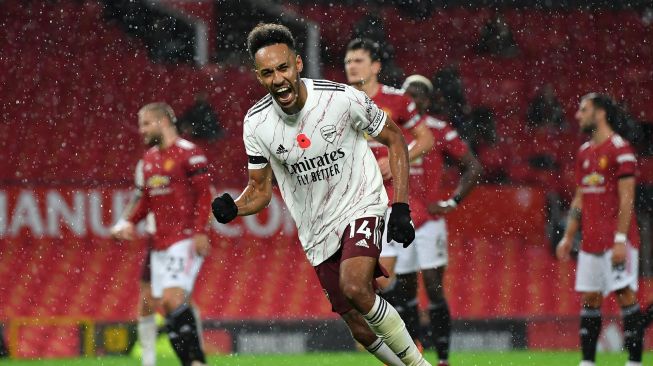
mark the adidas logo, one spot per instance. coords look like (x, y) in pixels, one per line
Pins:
(362, 243)
(281, 150)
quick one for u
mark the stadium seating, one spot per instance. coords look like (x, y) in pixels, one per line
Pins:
(77, 83)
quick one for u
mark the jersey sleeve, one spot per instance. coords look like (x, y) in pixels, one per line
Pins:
(197, 172)
(577, 167)
(408, 115)
(626, 162)
(255, 157)
(454, 146)
(366, 116)
(139, 176)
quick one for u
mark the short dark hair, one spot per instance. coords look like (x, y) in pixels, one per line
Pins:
(373, 47)
(606, 103)
(266, 34)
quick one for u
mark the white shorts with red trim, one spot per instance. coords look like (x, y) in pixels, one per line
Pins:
(428, 251)
(177, 266)
(595, 272)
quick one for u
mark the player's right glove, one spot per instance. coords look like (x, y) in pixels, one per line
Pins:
(224, 208)
(400, 225)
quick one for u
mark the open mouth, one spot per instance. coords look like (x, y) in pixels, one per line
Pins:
(284, 95)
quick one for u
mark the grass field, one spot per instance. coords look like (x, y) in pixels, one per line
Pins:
(522, 358)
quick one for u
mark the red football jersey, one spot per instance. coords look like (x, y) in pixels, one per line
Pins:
(402, 110)
(447, 143)
(598, 170)
(177, 191)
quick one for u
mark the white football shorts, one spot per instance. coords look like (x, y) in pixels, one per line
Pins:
(595, 272)
(177, 266)
(428, 251)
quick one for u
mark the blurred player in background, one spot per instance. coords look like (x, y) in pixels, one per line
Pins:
(603, 208)
(362, 67)
(429, 252)
(147, 305)
(310, 135)
(176, 190)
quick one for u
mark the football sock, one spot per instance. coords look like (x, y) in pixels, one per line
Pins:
(633, 332)
(441, 327)
(184, 337)
(647, 316)
(384, 320)
(411, 317)
(147, 331)
(383, 353)
(590, 329)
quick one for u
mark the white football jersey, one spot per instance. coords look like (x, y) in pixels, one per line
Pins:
(327, 174)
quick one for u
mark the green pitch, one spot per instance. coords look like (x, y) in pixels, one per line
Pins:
(522, 358)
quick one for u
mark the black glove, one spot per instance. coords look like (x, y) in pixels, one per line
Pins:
(224, 208)
(400, 225)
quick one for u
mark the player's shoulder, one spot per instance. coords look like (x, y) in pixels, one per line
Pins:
(392, 91)
(328, 85)
(185, 144)
(619, 142)
(435, 123)
(260, 106)
(586, 145)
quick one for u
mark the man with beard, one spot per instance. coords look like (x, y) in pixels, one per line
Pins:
(603, 209)
(311, 135)
(176, 190)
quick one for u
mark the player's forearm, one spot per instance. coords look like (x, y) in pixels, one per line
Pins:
(573, 218)
(131, 205)
(252, 200)
(139, 211)
(626, 190)
(203, 199)
(422, 143)
(399, 166)
(471, 175)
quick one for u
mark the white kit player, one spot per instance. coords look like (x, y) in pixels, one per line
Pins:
(311, 135)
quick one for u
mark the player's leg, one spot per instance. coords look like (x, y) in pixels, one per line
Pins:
(405, 302)
(624, 279)
(328, 272)
(431, 245)
(358, 268)
(147, 328)
(439, 314)
(400, 288)
(181, 270)
(362, 333)
(591, 282)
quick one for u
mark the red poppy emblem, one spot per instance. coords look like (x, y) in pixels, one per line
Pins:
(303, 141)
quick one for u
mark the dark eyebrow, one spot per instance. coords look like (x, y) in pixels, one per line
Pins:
(284, 64)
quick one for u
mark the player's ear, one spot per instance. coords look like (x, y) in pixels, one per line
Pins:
(299, 63)
(376, 67)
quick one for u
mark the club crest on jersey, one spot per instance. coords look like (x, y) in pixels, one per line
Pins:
(168, 165)
(303, 141)
(329, 133)
(603, 162)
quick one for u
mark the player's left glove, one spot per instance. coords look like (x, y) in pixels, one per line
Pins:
(224, 208)
(400, 225)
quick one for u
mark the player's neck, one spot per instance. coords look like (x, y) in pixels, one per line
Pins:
(169, 138)
(370, 88)
(601, 134)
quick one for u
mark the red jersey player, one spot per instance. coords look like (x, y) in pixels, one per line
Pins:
(603, 208)
(362, 66)
(177, 191)
(429, 253)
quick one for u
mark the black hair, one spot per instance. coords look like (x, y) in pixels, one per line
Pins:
(618, 119)
(266, 34)
(373, 47)
(606, 103)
